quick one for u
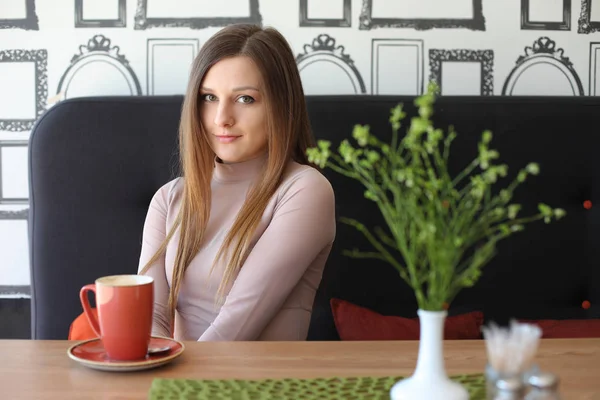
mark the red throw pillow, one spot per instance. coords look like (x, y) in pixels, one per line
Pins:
(81, 329)
(359, 323)
(567, 328)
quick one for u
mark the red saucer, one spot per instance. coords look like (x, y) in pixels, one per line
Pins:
(91, 353)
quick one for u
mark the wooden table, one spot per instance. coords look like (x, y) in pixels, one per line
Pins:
(42, 370)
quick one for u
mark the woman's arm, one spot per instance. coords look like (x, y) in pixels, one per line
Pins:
(303, 225)
(153, 235)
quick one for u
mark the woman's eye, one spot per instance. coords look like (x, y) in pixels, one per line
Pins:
(245, 99)
(209, 97)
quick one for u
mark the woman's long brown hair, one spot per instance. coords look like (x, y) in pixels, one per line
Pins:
(289, 135)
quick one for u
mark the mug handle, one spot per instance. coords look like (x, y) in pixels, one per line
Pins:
(83, 296)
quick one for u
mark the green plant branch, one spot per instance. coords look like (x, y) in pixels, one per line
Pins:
(509, 223)
(355, 253)
(383, 202)
(340, 170)
(465, 172)
(374, 242)
(410, 260)
(437, 223)
(385, 238)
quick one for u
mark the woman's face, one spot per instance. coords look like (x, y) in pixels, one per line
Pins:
(233, 110)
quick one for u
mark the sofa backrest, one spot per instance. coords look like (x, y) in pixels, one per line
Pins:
(546, 271)
(96, 162)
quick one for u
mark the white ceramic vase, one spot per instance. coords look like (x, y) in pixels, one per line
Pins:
(430, 381)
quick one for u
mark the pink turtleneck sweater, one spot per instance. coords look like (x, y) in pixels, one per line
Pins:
(272, 296)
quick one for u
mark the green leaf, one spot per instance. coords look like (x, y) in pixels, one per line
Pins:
(399, 175)
(498, 212)
(317, 156)
(365, 164)
(545, 209)
(361, 134)
(533, 168)
(513, 210)
(486, 137)
(418, 126)
(371, 196)
(502, 170)
(517, 228)
(505, 195)
(373, 156)
(479, 186)
(504, 228)
(347, 151)
(397, 114)
(425, 111)
(471, 277)
(490, 176)
(435, 135)
(324, 145)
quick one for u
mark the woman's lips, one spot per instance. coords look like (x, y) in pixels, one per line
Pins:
(226, 138)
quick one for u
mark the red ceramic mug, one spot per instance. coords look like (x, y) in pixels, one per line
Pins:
(125, 304)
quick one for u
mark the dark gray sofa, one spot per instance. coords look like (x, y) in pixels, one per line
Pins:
(96, 162)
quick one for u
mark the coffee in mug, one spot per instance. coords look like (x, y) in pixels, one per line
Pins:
(125, 305)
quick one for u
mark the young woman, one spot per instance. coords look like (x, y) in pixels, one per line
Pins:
(238, 243)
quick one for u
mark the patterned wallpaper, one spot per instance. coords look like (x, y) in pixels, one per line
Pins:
(51, 50)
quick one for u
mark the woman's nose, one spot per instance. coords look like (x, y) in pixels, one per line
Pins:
(224, 115)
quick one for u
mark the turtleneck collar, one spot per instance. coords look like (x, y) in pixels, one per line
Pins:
(238, 172)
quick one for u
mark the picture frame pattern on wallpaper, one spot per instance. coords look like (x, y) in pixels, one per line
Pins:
(367, 22)
(10, 144)
(16, 290)
(485, 57)
(120, 22)
(29, 23)
(418, 46)
(152, 44)
(564, 25)
(40, 60)
(142, 21)
(14, 215)
(594, 65)
(324, 49)
(99, 49)
(585, 24)
(344, 22)
(543, 52)
(22, 216)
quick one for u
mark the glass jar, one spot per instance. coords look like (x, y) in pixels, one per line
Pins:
(492, 376)
(509, 389)
(543, 386)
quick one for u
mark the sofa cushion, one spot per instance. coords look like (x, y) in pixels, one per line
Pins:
(568, 328)
(354, 322)
(81, 329)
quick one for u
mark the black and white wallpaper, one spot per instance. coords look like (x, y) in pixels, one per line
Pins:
(195, 14)
(52, 50)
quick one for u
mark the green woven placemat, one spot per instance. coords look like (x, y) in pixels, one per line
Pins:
(293, 389)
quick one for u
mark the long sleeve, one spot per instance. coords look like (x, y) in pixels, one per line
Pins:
(154, 233)
(301, 230)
